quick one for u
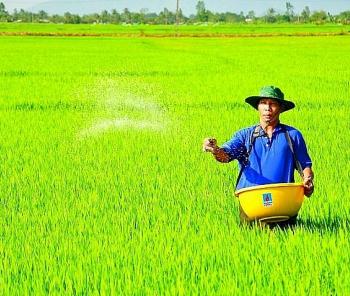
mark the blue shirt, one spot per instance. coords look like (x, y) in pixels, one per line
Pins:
(270, 160)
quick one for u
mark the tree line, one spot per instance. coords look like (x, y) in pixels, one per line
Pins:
(166, 16)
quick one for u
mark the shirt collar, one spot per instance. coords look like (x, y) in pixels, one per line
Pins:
(277, 129)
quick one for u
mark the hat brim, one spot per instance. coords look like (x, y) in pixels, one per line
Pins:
(254, 102)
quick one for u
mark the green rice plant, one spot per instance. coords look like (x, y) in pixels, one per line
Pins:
(104, 188)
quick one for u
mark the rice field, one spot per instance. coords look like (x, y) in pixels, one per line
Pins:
(104, 187)
(183, 30)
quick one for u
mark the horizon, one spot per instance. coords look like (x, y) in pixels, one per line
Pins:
(189, 7)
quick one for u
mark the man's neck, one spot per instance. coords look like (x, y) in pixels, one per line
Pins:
(269, 127)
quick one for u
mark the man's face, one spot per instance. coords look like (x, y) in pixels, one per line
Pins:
(269, 110)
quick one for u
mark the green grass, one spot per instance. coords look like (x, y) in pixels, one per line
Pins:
(104, 188)
(169, 30)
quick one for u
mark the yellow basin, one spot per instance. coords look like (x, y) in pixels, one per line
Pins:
(271, 202)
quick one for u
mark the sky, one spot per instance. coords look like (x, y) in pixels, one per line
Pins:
(188, 6)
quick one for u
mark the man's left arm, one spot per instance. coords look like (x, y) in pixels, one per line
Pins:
(306, 163)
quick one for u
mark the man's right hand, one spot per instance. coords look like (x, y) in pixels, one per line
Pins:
(209, 145)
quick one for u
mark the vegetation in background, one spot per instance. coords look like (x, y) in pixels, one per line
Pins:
(166, 16)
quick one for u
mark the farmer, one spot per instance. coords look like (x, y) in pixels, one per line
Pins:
(264, 151)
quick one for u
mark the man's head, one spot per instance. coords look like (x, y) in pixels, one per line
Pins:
(269, 111)
(273, 93)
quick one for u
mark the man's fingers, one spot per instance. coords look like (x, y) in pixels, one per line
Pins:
(308, 183)
(212, 141)
(209, 144)
(208, 148)
(308, 188)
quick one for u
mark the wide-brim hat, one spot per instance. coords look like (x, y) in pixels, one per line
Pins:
(270, 92)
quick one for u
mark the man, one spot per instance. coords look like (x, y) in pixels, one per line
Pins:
(264, 151)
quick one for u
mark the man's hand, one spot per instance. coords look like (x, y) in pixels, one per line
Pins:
(209, 145)
(308, 182)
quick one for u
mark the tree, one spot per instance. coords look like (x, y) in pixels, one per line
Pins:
(202, 13)
(344, 17)
(25, 16)
(3, 13)
(151, 18)
(251, 15)
(319, 17)
(231, 17)
(15, 15)
(143, 13)
(57, 19)
(89, 19)
(126, 16)
(241, 16)
(42, 15)
(115, 17)
(67, 17)
(305, 14)
(180, 16)
(331, 18)
(105, 17)
(212, 17)
(289, 12)
(164, 16)
(270, 16)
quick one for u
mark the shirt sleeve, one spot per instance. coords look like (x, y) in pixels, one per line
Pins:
(236, 148)
(301, 151)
